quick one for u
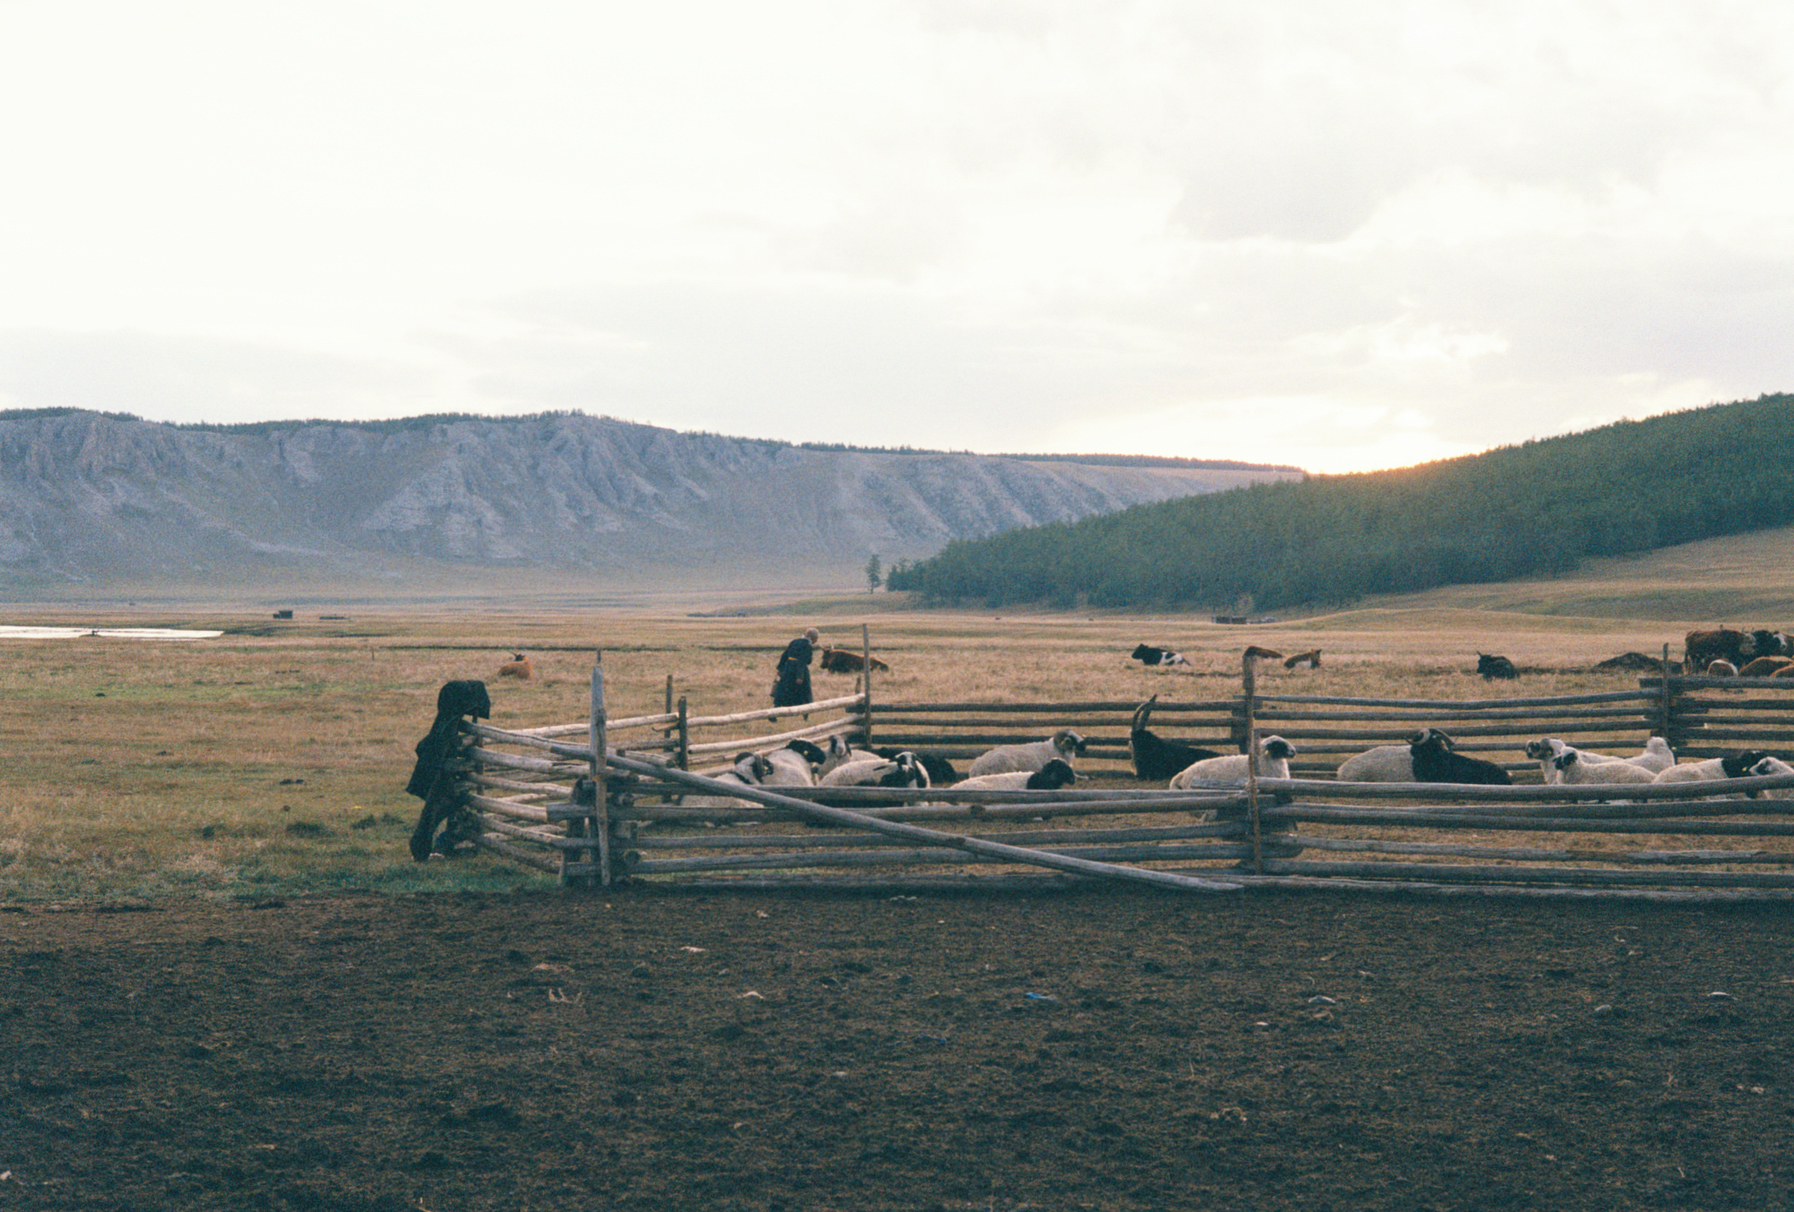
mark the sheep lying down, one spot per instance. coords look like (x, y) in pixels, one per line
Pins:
(1229, 770)
(1050, 777)
(1064, 744)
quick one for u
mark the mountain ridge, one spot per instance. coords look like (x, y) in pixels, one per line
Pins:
(87, 496)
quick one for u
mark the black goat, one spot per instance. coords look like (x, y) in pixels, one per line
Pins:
(1156, 759)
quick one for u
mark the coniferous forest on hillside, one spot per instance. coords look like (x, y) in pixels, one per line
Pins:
(1540, 507)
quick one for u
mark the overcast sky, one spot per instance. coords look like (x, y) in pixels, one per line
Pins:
(1338, 235)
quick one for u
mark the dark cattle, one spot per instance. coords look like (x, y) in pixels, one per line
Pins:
(1495, 666)
(839, 660)
(1762, 643)
(1702, 647)
(1311, 658)
(1435, 762)
(1156, 759)
(1146, 654)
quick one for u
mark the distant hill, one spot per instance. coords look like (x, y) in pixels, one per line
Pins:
(87, 496)
(1541, 507)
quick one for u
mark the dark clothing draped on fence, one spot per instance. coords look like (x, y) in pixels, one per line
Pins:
(792, 689)
(428, 782)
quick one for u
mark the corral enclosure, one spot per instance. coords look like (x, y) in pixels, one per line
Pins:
(632, 816)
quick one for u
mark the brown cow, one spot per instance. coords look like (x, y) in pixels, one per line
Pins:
(1765, 666)
(1702, 647)
(839, 660)
(517, 667)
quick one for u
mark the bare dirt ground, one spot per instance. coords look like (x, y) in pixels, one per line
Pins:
(1104, 1049)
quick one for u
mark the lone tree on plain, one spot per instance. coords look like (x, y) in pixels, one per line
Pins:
(875, 575)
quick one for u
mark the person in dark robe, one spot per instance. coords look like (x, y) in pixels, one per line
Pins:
(792, 689)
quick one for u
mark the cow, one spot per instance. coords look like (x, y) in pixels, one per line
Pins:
(839, 660)
(517, 667)
(1495, 666)
(1311, 658)
(1702, 647)
(1149, 656)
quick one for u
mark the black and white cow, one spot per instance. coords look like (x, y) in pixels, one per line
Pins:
(1147, 655)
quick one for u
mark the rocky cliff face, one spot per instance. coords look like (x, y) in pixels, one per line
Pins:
(85, 496)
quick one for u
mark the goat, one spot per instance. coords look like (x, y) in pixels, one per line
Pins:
(1055, 774)
(1388, 763)
(1064, 744)
(1311, 658)
(1229, 770)
(1434, 762)
(1156, 759)
(517, 667)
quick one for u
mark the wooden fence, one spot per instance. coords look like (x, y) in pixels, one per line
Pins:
(544, 799)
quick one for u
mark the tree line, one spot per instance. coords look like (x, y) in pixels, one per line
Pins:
(1539, 507)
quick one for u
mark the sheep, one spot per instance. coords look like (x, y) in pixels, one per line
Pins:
(1731, 766)
(905, 770)
(1656, 755)
(1573, 767)
(1229, 770)
(1388, 763)
(1434, 762)
(517, 667)
(1770, 766)
(940, 770)
(1156, 759)
(1064, 744)
(749, 770)
(794, 765)
(1050, 777)
(1311, 658)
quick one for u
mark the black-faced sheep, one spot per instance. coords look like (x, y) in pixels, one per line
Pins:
(1050, 777)
(1435, 762)
(940, 770)
(1155, 758)
(795, 765)
(1064, 744)
(1731, 766)
(1388, 763)
(749, 770)
(904, 770)
(1229, 770)
(1573, 768)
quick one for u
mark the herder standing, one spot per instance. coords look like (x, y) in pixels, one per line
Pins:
(792, 689)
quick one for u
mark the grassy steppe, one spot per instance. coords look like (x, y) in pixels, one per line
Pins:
(273, 760)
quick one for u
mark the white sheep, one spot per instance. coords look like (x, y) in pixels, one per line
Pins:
(905, 770)
(1655, 757)
(1573, 767)
(1387, 763)
(1063, 744)
(750, 770)
(1731, 766)
(794, 765)
(1769, 766)
(1229, 770)
(1050, 777)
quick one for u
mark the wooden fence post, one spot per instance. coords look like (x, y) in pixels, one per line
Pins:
(596, 827)
(1665, 702)
(684, 735)
(1249, 686)
(866, 682)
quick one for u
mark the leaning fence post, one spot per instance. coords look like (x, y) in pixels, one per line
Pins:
(866, 683)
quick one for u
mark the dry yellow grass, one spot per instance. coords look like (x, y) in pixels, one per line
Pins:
(273, 760)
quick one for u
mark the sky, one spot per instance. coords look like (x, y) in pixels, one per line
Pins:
(1337, 236)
